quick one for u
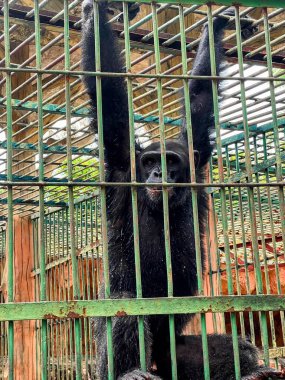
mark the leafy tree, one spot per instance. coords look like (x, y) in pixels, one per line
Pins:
(84, 169)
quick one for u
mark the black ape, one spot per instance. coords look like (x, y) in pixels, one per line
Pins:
(221, 358)
(119, 209)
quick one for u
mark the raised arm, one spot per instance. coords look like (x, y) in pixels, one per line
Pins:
(114, 95)
(201, 90)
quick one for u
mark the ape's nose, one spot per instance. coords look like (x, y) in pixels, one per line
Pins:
(157, 173)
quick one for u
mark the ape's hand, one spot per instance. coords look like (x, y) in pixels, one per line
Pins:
(246, 24)
(111, 8)
(118, 6)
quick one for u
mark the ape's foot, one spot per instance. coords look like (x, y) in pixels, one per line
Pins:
(265, 373)
(137, 374)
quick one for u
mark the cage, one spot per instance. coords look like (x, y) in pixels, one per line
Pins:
(53, 224)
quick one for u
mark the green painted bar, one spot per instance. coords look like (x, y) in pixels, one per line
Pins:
(73, 253)
(10, 289)
(77, 73)
(103, 191)
(267, 279)
(164, 190)
(251, 201)
(254, 129)
(279, 155)
(245, 258)
(134, 189)
(194, 193)
(232, 226)
(223, 191)
(104, 184)
(246, 3)
(213, 214)
(85, 112)
(279, 161)
(121, 307)
(44, 348)
(274, 242)
(60, 149)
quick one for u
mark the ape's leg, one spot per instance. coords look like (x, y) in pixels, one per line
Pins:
(161, 342)
(125, 339)
(190, 364)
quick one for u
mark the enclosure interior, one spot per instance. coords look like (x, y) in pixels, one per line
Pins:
(51, 173)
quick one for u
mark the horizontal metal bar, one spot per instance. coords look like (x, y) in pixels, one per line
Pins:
(83, 198)
(20, 12)
(62, 182)
(50, 108)
(56, 109)
(260, 167)
(30, 179)
(33, 202)
(59, 149)
(245, 3)
(253, 129)
(76, 73)
(123, 307)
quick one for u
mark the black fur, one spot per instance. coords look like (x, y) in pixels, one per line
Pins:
(151, 227)
(221, 358)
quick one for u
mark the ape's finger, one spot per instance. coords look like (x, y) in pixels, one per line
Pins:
(265, 374)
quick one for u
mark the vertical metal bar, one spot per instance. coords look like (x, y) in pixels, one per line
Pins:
(279, 289)
(41, 190)
(193, 190)
(243, 234)
(250, 191)
(231, 195)
(211, 272)
(222, 190)
(279, 175)
(74, 262)
(133, 188)
(214, 215)
(261, 225)
(103, 190)
(10, 255)
(164, 190)
(50, 287)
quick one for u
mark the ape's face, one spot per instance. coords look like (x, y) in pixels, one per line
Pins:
(177, 171)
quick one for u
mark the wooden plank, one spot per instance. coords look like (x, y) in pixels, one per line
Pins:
(24, 331)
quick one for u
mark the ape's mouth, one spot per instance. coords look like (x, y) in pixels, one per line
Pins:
(155, 192)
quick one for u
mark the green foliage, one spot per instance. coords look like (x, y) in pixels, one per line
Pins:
(83, 169)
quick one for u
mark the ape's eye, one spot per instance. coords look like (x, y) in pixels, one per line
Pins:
(148, 162)
(172, 160)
